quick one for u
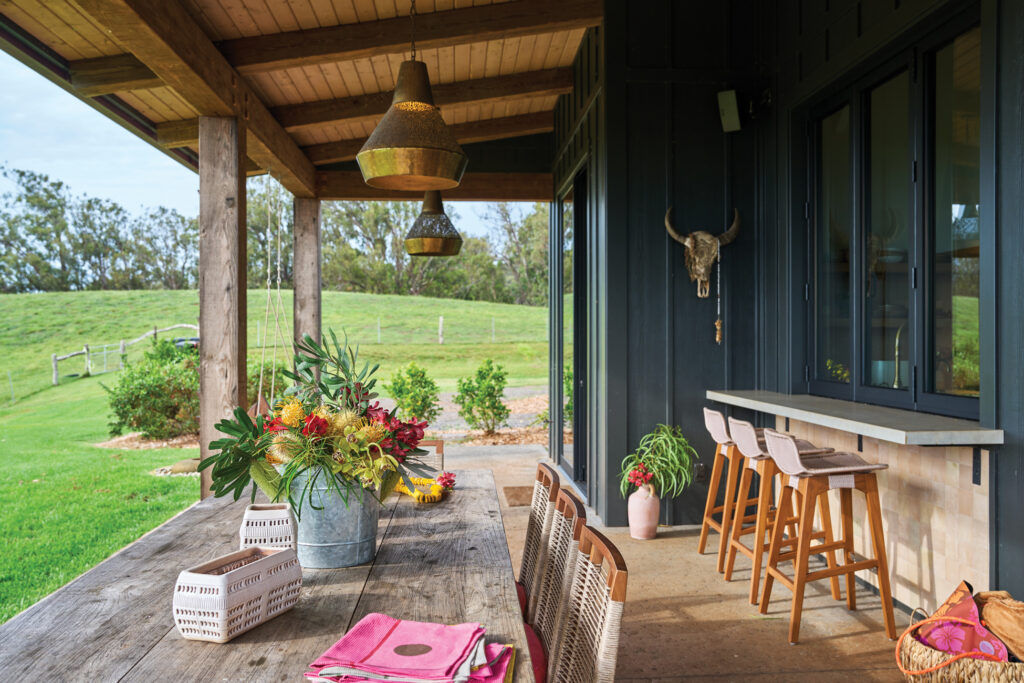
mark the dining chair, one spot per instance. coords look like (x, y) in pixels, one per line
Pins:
(589, 643)
(556, 582)
(814, 478)
(538, 527)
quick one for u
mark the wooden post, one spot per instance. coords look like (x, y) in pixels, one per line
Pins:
(222, 267)
(440, 329)
(56, 376)
(86, 372)
(122, 352)
(306, 310)
(154, 333)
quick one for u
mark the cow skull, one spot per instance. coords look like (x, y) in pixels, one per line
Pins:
(702, 250)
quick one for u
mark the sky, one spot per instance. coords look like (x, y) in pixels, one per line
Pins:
(47, 130)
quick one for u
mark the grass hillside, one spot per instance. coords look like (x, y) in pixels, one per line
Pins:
(37, 325)
(69, 504)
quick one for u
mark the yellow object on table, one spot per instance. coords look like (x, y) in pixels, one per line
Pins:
(435, 495)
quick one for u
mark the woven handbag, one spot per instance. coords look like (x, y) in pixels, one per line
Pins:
(921, 663)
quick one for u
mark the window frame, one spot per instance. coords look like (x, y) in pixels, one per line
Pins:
(915, 55)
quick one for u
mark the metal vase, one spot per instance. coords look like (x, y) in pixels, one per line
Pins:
(338, 535)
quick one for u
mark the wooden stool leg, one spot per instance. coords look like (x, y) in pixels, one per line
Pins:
(826, 524)
(728, 504)
(709, 506)
(739, 512)
(846, 512)
(810, 490)
(766, 469)
(878, 541)
(784, 510)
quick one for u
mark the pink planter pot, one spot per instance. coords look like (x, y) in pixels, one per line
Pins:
(644, 511)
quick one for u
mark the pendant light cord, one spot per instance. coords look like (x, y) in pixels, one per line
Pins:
(412, 31)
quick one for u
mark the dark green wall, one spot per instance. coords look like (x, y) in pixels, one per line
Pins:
(644, 123)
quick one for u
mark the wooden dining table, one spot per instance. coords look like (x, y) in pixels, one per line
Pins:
(446, 562)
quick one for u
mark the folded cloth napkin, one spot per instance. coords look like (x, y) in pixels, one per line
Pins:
(383, 648)
(498, 669)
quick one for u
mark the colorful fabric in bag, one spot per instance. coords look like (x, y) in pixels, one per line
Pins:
(955, 637)
(1004, 617)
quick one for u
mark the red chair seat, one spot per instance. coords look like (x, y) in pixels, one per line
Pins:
(538, 657)
(521, 594)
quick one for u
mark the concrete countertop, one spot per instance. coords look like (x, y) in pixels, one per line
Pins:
(904, 427)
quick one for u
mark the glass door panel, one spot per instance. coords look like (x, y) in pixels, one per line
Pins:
(889, 228)
(567, 383)
(834, 216)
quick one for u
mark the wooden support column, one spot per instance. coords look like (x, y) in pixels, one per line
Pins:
(306, 269)
(222, 276)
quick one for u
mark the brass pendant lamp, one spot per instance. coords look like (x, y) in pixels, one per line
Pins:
(412, 148)
(433, 233)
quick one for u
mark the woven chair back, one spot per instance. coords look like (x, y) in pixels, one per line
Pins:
(556, 581)
(589, 642)
(715, 422)
(538, 527)
(745, 438)
(784, 452)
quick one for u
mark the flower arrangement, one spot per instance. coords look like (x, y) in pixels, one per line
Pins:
(326, 427)
(663, 462)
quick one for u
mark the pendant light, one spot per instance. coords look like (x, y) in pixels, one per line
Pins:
(433, 233)
(412, 148)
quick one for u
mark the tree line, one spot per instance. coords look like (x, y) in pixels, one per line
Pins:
(54, 240)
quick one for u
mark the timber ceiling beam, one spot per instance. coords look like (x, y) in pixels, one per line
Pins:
(391, 36)
(465, 133)
(107, 75)
(164, 37)
(367, 108)
(475, 187)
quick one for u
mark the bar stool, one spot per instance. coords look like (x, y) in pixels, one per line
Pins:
(745, 437)
(813, 478)
(725, 451)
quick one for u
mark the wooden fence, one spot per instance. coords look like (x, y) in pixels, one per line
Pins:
(101, 350)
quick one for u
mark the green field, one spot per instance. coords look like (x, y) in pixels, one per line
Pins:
(68, 504)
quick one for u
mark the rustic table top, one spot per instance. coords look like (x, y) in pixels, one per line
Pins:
(447, 562)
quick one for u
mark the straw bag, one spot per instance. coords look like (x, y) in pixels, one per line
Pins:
(920, 663)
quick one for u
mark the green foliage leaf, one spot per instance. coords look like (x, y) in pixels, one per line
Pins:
(665, 453)
(479, 397)
(415, 393)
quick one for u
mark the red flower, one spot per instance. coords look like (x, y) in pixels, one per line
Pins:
(447, 480)
(316, 426)
(376, 413)
(639, 475)
(275, 425)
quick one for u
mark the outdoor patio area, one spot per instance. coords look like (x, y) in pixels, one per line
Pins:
(682, 621)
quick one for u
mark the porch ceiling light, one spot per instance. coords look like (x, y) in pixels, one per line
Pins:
(412, 148)
(433, 233)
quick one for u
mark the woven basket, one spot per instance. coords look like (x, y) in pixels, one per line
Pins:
(225, 597)
(269, 526)
(916, 656)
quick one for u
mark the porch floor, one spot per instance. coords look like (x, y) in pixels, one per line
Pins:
(684, 622)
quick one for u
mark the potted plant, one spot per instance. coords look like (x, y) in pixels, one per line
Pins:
(662, 465)
(326, 449)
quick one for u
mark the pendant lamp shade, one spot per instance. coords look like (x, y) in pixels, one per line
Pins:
(433, 233)
(412, 148)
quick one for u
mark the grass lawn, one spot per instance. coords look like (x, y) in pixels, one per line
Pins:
(68, 504)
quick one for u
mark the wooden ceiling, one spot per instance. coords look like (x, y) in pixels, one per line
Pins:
(310, 77)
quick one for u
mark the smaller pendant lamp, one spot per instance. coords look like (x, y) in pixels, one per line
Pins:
(412, 148)
(433, 233)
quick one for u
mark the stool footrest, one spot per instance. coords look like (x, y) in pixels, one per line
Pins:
(842, 569)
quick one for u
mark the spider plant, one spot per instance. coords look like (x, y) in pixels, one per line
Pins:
(666, 456)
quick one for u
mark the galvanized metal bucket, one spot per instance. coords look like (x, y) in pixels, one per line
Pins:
(338, 535)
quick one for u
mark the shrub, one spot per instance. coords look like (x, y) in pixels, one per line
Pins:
(159, 395)
(415, 393)
(479, 397)
(252, 371)
(567, 388)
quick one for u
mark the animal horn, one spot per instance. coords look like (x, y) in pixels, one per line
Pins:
(671, 231)
(734, 229)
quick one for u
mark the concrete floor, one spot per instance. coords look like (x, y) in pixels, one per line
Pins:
(684, 622)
